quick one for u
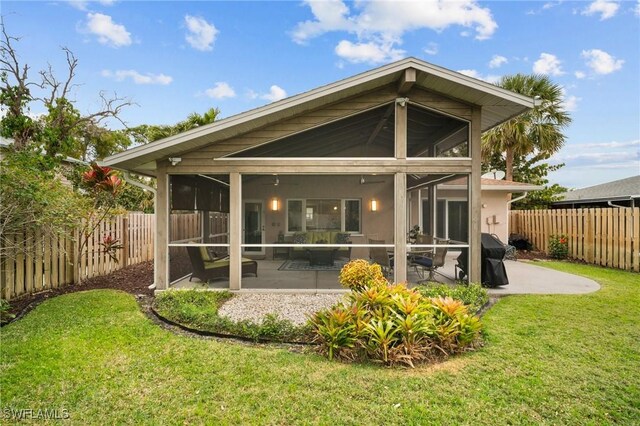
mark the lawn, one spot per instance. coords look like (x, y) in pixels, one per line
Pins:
(547, 359)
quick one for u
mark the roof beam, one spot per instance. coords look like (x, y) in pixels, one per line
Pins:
(407, 81)
(381, 124)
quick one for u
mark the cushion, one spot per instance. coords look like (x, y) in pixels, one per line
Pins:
(322, 242)
(423, 261)
(300, 238)
(204, 253)
(342, 238)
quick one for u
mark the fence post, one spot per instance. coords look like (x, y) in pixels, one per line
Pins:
(125, 240)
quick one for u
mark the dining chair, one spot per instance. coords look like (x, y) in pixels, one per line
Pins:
(380, 256)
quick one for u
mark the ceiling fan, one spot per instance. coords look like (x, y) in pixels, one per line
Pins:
(364, 181)
(276, 182)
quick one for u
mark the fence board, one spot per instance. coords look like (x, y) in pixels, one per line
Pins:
(37, 284)
(602, 236)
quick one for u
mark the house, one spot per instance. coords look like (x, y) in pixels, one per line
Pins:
(323, 176)
(451, 208)
(618, 193)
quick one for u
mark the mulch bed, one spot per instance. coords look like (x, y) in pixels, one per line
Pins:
(532, 255)
(134, 279)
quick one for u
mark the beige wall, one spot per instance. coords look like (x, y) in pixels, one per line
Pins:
(374, 224)
(494, 203)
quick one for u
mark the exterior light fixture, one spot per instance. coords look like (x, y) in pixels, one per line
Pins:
(275, 205)
(374, 205)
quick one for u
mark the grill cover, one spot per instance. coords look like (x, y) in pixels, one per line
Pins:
(494, 273)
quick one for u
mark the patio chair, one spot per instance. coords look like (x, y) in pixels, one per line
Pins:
(429, 263)
(380, 256)
(213, 268)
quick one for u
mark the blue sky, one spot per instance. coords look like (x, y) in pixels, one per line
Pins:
(174, 58)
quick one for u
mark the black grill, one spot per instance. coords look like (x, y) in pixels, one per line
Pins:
(494, 273)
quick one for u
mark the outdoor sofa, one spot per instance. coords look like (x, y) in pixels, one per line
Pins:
(205, 267)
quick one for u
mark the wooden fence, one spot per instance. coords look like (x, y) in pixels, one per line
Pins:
(607, 236)
(36, 262)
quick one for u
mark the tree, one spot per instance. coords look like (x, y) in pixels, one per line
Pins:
(532, 169)
(34, 200)
(146, 133)
(538, 131)
(63, 130)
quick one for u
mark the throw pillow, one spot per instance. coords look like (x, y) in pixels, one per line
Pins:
(342, 238)
(300, 238)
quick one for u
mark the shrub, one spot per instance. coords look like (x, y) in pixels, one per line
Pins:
(392, 324)
(5, 307)
(472, 295)
(359, 273)
(558, 246)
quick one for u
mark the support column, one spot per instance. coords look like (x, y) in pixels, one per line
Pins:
(235, 231)
(475, 196)
(161, 206)
(400, 218)
(400, 199)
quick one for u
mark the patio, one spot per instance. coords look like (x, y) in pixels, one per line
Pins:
(524, 278)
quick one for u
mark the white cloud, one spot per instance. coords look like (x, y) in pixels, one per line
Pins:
(275, 94)
(202, 34)
(548, 64)
(370, 52)
(220, 90)
(108, 32)
(475, 74)
(497, 61)
(601, 62)
(379, 26)
(431, 49)
(570, 103)
(580, 74)
(636, 9)
(138, 78)
(83, 4)
(607, 9)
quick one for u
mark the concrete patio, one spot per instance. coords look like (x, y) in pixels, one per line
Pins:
(524, 278)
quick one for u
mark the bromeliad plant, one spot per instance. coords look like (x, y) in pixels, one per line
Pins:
(391, 323)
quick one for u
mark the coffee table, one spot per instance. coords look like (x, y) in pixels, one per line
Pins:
(321, 256)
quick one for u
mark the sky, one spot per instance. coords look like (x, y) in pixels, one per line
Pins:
(174, 58)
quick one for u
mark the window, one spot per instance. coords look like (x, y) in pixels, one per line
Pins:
(324, 215)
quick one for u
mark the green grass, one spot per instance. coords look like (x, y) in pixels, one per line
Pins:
(547, 360)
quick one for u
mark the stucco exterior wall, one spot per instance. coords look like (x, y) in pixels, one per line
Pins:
(495, 214)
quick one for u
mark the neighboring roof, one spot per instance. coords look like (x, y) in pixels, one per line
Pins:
(622, 189)
(498, 105)
(494, 185)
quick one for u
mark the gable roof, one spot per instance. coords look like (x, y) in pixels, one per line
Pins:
(622, 189)
(498, 106)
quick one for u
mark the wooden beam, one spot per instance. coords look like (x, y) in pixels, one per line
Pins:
(407, 81)
(400, 228)
(235, 231)
(160, 264)
(380, 124)
(401, 131)
(475, 196)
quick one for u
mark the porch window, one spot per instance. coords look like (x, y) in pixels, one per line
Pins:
(324, 214)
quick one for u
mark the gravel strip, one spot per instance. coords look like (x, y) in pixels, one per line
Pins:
(293, 307)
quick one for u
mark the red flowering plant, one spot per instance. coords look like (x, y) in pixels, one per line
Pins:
(103, 184)
(558, 246)
(110, 246)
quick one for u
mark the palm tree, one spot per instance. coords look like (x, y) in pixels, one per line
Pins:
(537, 131)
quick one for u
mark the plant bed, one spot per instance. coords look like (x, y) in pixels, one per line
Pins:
(134, 279)
(198, 311)
(474, 296)
(391, 324)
